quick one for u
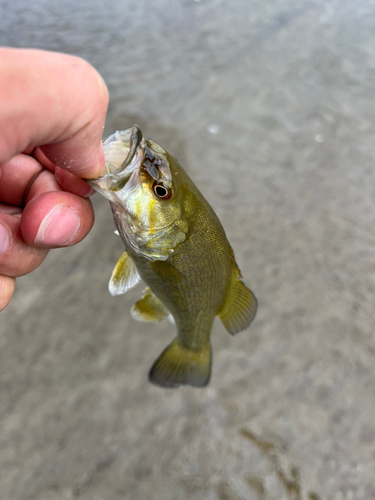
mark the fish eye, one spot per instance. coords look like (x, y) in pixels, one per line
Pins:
(162, 191)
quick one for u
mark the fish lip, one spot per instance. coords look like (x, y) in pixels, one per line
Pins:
(135, 140)
(115, 179)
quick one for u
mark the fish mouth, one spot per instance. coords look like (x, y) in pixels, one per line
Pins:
(123, 153)
(127, 153)
(118, 168)
(118, 144)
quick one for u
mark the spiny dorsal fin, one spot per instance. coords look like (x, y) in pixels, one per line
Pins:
(124, 276)
(149, 308)
(240, 306)
(178, 365)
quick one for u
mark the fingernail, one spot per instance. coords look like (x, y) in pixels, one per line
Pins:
(4, 239)
(58, 227)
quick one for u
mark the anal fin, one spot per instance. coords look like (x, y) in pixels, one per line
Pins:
(149, 308)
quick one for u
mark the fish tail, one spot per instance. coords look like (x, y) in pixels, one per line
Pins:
(179, 365)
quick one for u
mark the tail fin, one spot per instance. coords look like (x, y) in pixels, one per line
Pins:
(179, 365)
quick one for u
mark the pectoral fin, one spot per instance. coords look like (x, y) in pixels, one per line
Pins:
(124, 276)
(240, 306)
(149, 308)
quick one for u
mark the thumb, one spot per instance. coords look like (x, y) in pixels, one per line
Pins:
(55, 101)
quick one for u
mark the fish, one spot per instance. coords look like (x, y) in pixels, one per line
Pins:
(176, 244)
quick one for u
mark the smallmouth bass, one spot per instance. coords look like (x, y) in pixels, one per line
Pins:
(177, 245)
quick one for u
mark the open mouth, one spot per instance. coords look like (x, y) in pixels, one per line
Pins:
(125, 153)
(122, 156)
(120, 148)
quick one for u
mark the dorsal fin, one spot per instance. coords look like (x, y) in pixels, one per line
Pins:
(240, 306)
(124, 276)
(149, 308)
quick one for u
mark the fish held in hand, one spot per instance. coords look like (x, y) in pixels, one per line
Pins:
(177, 245)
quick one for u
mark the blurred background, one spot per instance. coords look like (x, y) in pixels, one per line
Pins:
(269, 106)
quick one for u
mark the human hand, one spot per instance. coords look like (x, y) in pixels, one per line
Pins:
(52, 112)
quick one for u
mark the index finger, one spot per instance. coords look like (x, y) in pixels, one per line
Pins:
(55, 101)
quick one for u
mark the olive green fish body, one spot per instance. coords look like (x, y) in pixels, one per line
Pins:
(197, 273)
(176, 244)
